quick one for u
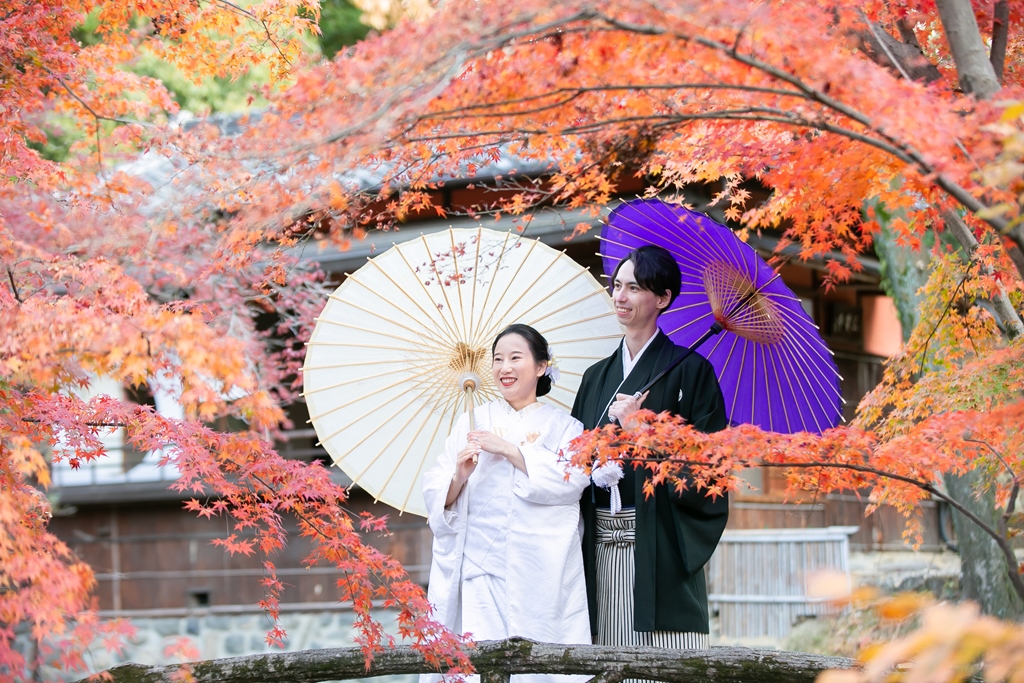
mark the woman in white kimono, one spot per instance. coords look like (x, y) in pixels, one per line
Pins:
(507, 559)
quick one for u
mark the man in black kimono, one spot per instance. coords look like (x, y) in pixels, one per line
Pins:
(651, 590)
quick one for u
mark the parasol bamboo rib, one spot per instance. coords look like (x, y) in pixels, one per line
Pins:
(543, 300)
(708, 248)
(790, 340)
(444, 289)
(354, 345)
(490, 286)
(494, 328)
(350, 326)
(497, 304)
(476, 269)
(535, 322)
(419, 472)
(753, 377)
(803, 392)
(309, 392)
(429, 334)
(743, 361)
(383, 361)
(673, 239)
(458, 273)
(578, 322)
(565, 342)
(423, 287)
(555, 400)
(429, 320)
(779, 378)
(377, 390)
(360, 419)
(405, 453)
(384, 450)
(677, 309)
(817, 399)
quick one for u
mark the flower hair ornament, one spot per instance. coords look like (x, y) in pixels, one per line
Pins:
(552, 370)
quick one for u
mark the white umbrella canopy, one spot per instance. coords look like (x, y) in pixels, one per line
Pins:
(384, 369)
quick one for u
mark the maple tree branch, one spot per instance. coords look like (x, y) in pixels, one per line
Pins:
(92, 112)
(1001, 540)
(640, 87)
(262, 22)
(36, 420)
(14, 287)
(951, 187)
(752, 113)
(885, 48)
(998, 455)
(906, 56)
(949, 305)
(316, 528)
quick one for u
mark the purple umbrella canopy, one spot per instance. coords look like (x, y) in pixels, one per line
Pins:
(774, 369)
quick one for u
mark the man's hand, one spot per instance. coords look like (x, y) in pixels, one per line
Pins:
(623, 407)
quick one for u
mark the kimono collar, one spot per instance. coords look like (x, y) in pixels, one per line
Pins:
(627, 363)
(509, 410)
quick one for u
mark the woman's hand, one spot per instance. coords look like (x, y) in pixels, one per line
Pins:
(492, 443)
(486, 441)
(465, 465)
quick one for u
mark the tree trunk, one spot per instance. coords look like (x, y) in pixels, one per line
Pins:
(984, 570)
(496, 659)
(1000, 35)
(973, 67)
(983, 567)
(904, 271)
(1008, 318)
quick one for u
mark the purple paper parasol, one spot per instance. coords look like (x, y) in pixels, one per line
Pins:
(774, 369)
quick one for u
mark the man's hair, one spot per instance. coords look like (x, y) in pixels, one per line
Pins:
(655, 270)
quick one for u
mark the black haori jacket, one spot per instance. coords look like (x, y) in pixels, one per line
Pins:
(676, 533)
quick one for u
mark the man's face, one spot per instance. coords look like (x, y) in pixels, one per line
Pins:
(635, 307)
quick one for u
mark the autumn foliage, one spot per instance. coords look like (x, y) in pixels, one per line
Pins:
(105, 274)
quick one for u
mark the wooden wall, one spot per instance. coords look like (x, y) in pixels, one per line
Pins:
(157, 555)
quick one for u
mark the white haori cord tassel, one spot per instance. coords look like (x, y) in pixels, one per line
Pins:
(607, 476)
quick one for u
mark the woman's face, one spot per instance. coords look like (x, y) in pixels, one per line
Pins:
(515, 371)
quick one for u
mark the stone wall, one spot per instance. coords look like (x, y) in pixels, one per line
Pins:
(212, 635)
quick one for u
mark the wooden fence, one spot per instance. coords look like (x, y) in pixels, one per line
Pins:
(757, 578)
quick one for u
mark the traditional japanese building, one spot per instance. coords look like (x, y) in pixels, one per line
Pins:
(155, 561)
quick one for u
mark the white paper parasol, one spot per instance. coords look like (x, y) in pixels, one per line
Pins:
(386, 363)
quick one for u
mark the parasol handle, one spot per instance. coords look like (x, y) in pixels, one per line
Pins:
(469, 383)
(470, 405)
(712, 331)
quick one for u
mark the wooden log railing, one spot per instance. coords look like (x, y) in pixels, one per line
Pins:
(497, 660)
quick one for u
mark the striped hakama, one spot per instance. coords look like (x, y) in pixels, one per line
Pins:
(616, 576)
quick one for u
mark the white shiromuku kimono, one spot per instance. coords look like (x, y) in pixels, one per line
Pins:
(507, 558)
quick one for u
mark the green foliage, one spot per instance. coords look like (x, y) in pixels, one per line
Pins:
(340, 26)
(85, 33)
(61, 134)
(212, 94)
